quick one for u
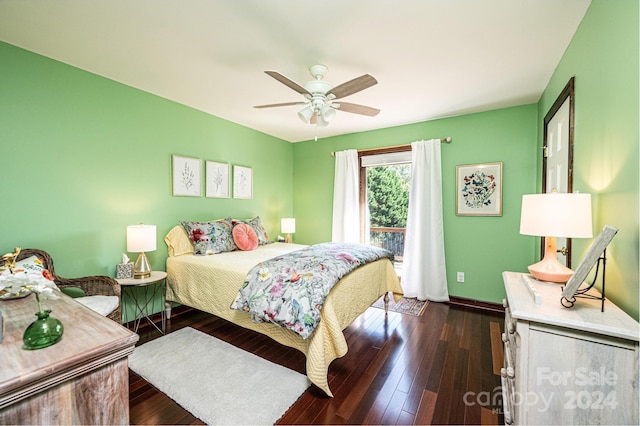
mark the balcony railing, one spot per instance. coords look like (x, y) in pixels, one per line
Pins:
(391, 239)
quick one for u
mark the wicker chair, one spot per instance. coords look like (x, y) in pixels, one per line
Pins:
(92, 285)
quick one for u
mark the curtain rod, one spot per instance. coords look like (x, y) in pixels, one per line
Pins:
(448, 139)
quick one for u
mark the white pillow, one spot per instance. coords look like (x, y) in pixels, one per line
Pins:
(103, 305)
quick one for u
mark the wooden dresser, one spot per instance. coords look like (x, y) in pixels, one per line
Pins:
(82, 379)
(567, 366)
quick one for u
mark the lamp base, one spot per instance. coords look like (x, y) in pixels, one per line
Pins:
(549, 269)
(288, 239)
(141, 269)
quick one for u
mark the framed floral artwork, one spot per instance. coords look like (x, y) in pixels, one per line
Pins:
(242, 182)
(217, 180)
(187, 176)
(479, 189)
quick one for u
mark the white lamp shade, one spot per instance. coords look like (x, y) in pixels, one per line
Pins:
(141, 238)
(328, 113)
(288, 225)
(320, 121)
(556, 215)
(305, 115)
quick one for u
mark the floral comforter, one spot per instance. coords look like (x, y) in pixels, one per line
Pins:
(289, 290)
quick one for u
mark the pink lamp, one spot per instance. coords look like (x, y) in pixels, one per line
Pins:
(551, 216)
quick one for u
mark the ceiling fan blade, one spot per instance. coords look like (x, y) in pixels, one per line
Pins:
(289, 83)
(280, 105)
(357, 109)
(352, 86)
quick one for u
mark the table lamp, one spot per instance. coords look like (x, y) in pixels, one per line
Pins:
(552, 216)
(140, 239)
(288, 226)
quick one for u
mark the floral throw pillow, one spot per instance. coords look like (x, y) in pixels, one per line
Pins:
(210, 237)
(30, 264)
(25, 266)
(256, 224)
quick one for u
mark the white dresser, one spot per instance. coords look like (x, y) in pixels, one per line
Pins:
(567, 366)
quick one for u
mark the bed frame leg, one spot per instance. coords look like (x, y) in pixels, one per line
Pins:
(386, 303)
(167, 310)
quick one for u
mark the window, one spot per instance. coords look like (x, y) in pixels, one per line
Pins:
(385, 177)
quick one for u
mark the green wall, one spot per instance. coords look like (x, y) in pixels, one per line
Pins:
(482, 247)
(82, 157)
(603, 57)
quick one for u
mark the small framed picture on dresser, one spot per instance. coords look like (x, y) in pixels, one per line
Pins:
(589, 261)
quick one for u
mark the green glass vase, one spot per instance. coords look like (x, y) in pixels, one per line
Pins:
(43, 332)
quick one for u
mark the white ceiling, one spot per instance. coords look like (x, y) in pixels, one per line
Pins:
(432, 58)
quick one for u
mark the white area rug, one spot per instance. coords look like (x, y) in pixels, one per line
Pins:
(215, 381)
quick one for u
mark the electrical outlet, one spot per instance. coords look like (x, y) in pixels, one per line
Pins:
(460, 277)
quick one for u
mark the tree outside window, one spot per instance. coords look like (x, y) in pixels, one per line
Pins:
(388, 204)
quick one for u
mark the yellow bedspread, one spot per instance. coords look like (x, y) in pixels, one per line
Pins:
(211, 283)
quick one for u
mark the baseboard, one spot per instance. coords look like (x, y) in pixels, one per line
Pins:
(476, 304)
(180, 309)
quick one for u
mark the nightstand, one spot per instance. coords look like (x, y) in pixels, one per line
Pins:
(143, 292)
(567, 365)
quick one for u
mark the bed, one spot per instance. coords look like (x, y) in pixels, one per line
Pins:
(211, 284)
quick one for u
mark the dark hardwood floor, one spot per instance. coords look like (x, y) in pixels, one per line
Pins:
(440, 368)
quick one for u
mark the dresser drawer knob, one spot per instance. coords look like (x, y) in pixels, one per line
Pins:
(510, 373)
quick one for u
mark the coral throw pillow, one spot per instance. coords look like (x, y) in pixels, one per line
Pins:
(245, 237)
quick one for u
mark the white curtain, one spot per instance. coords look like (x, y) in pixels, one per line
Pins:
(424, 271)
(346, 201)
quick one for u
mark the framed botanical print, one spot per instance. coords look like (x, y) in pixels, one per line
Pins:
(217, 180)
(479, 189)
(242, 182)
(187, 176)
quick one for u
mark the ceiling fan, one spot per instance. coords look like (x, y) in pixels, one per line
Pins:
(320, 96)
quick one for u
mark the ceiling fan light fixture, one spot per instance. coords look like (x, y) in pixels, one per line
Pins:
(305, 114)
(327, 113)
(321, 122)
